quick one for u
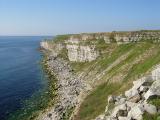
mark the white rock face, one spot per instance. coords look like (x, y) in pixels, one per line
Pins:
(44, 45)
(154, 90)
(79, 53)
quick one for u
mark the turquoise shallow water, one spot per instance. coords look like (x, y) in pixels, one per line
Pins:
(20, 72)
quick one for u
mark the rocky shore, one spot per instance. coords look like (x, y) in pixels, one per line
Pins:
(69, 88)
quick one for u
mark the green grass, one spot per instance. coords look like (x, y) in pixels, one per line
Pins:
(155, 101)
(141, 68)
(118, 51)
(147, 116)
(96, 102)
(137, 50)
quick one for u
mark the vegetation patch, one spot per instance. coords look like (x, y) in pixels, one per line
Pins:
(96, 102)
(147, 116)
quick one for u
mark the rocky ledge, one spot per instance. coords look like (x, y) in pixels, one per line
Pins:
(136, 101)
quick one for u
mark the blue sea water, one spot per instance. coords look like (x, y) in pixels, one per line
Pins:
(20, 72)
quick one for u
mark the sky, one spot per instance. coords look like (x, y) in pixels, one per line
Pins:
(52, 17)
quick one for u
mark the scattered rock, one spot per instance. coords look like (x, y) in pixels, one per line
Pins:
(154, 90)
(143, 89)
(135, 98)
(134, 104)
(151, 109)
(136, 112)
(131, 93)
(111, 99)
(123, 118)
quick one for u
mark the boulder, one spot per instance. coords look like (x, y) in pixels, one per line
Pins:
(109, 118)
(135, 98)
(154, 90)
(130, 105)
(123, 118)
(138, 83)
(131, 93)
(120, 101)
(143, 89)
(136, 112)
(100, 117)
(151, 109)
(111, 99)
(117, 110)
(122, 113)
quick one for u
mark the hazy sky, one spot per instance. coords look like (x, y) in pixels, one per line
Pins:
(51, 17)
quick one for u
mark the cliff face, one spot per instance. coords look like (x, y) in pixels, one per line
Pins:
(80, 53)
(85, 61)
(79, 50)
(76, 52)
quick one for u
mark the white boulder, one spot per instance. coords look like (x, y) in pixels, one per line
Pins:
(154, 90)
(132, 92)
(136, 112)
(151, 109)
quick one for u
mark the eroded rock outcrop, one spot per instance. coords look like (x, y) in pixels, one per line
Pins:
(80, 53)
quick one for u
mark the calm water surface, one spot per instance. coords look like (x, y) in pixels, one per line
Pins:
(20, 72)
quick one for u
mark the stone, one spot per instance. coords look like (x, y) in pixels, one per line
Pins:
(117, 109)
(130, 105)
(123, 118)
(143, 88)
(111, 99)
(120, 101)
(138, 83)
(153, 91)
(151, 109)
(135, 98)
(123, 113)
(100, 117)
(136, 112)
(130, 93)
(109, 118)
(81, 53)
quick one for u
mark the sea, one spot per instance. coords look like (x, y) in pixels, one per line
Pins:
(21, 74)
